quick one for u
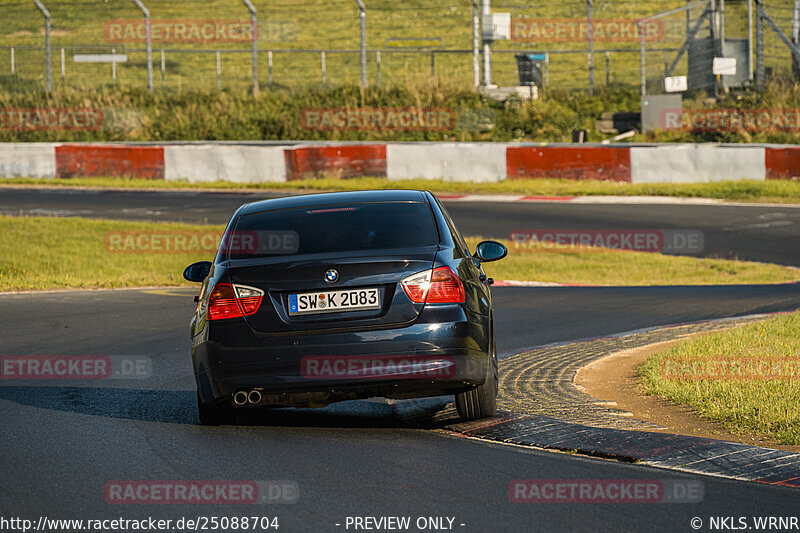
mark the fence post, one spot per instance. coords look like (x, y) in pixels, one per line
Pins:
(796, 38)
(608, 68)
(219, 71)
(433, 67)
(322, 66)
(486, 8)
(254, 38)
(13, 67)
(547, 69)
(476, 47)
(590, 38)
(49, 73)
(63, 66)
(378, 64)
(163, 69)
(759, 46)
(362, 14)
(269, 66)
(642, 62)
(750, 39)
(149, 44)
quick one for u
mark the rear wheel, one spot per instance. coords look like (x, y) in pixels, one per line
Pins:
(214, 414)
(480, 402)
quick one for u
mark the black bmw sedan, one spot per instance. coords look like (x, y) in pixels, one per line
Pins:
(327, 297)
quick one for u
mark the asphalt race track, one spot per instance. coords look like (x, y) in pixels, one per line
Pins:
(759, 233)
(61, 442)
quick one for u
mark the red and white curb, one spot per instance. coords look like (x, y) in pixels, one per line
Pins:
(452, 162)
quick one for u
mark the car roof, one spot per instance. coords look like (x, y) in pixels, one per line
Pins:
(305, 200)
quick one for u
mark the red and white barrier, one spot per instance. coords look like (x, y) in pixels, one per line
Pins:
(216, 162)
(468, 162)
(463, 162)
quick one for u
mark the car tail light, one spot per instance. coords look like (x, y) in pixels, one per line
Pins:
(231, 301)
(249, 298)
(437, 286)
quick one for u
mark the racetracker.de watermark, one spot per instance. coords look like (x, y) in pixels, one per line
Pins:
(605, 491)
(549, 30)
(179, 31)
(190, 242)
(640, 240)
(377, 367)
(378, 118)
(730, 368)
(75, 367)
(51, 118)
(777, 119)
(201, 492)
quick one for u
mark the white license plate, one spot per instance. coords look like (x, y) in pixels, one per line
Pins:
(333, 301)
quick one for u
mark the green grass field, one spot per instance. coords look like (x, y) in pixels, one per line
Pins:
(136, 115)
(290, 25)
(765, 406)
(287, 26)
(80, 253)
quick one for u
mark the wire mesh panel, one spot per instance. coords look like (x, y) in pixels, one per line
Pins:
(777, 56)
(685, 47)
(207, 44)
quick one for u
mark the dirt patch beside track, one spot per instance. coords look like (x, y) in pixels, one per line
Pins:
(614, 379)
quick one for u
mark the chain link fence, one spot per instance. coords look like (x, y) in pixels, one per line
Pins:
(574, 44)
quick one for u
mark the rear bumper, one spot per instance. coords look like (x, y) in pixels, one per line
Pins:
(423, 359)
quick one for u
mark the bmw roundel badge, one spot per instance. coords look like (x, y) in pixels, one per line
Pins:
(332, 276)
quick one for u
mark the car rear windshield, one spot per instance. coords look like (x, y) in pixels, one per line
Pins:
(333, 228)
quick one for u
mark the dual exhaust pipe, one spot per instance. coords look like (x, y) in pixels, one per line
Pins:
(242, 397)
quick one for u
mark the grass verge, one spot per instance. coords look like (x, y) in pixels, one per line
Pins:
(764, 407)
(75, 253)
(280, 114)
(776, 191)
(624, 267)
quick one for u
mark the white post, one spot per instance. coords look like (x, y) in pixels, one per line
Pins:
(63, 67)
(362, 15)
(254, 38)
(49, 72)
(378, 65)
(476, 47)
(146, 13)
(13, 69)
(487, 45)
(322, 65)
(642, 61)
(590, 39)
(219, 71)
(749, 38)
(547, 69)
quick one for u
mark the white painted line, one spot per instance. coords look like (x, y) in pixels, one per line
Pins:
(490, 198)
(645, 200)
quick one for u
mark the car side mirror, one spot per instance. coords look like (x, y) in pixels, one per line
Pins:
(197, 272)
(490, 251)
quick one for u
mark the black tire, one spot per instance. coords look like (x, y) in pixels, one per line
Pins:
(480, 402)
(214, 414)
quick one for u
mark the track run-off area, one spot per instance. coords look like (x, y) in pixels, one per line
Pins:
(63, 442)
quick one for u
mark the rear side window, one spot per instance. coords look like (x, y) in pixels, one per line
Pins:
(333, 228)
